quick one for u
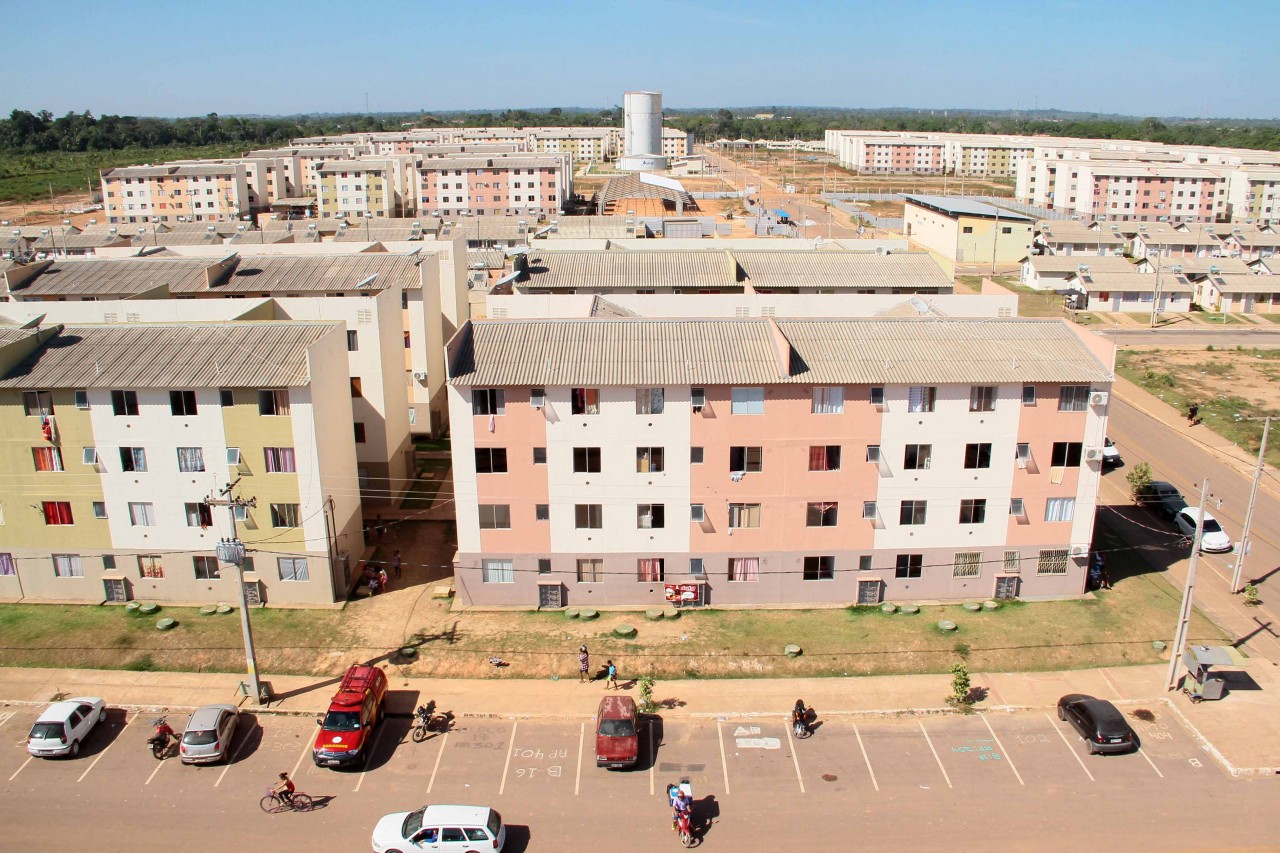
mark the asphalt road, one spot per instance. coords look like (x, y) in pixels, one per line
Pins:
(1004, 781)
(1190, 336)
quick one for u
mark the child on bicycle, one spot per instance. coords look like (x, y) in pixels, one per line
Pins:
(284, 788)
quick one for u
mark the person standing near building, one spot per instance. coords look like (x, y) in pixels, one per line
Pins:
(395, 563)
(611, 672)
(584, 662)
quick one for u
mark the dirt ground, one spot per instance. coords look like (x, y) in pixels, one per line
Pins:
(1253, 375)
(822, 172)
(40, 212)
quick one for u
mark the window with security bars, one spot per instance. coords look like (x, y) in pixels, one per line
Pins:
(1073, 398)
(1052, 562)
(590, 571)
(921, 398)
(967, 564)
(1012, 562)
(744, 515)
(822, 514)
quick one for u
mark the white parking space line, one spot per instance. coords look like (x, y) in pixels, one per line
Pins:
(653, 757)
(373, 749)
(98, 757)
(582, 737)
(298, 763)
(19, 770)
(724, 762)
(1007, 757)
(439, 755)
(936, 758)
(243, 742)
(159, 764)
(510, 748)
(1070, 749)
(795, 759)
(1152, 763)
(865, 758)
(6, 716)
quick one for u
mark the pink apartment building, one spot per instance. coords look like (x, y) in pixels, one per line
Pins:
(535, 185)
(773, 461)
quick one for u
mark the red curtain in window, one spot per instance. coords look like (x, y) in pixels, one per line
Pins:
(57, 512)
(818, 458)
(650, 571)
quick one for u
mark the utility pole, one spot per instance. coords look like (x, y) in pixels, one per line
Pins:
(232, 551)
(1188, 592)
(1242, 549)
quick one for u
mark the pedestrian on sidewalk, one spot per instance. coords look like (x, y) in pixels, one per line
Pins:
(612, 675)
(395, 563)
(1191, 414)
(583, 662)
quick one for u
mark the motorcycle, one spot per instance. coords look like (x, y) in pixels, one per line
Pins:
(682, 818)
(159, 742)
(425, 722)
(800, 723)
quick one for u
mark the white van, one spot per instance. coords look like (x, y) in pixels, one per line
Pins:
(450, 829)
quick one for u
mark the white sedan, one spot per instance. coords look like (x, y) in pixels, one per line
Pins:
(1214, 539)
(64, 725)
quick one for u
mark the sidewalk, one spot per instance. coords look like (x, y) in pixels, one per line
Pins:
(1242, 732)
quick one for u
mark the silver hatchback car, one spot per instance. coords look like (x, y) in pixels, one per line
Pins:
(208, 734)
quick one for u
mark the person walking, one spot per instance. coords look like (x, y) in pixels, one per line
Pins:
(1191, 414)
(612, 676)
(395, 563)
(382, 577)
(584, 661)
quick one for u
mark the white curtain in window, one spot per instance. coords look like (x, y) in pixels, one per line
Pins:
(142, 514)
(190, 459)
(828, 400)
(744, 569)
(498, 571)
(1059, 509)
(293, 569)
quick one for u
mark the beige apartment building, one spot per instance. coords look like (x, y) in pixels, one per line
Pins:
(191, 192)
(367, 187)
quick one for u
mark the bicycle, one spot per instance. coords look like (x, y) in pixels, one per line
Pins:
(273, 802)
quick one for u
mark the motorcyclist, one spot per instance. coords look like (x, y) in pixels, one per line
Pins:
(681, 804)
(162, 733)
(799, 714)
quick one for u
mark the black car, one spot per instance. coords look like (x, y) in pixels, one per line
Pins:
(1102, 726)
(1162, 497)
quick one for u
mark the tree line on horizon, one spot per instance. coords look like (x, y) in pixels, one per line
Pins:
(24, 132)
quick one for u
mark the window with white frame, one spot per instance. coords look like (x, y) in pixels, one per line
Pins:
(967, 564)
(1059, 509)
(67, 566)
(142, 514)
(828, 400)
(498, 571)
(284, 515)
(747, 401)
(47, 458)
(293, 568)
(1012, 562)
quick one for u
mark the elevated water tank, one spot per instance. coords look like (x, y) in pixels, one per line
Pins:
(642, 128)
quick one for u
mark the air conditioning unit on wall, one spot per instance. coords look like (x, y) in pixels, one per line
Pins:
(1079, 550)
(420, 374)
(1093, 454)
(1099, 398)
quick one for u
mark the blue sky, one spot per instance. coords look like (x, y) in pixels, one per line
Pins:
(1171, 57)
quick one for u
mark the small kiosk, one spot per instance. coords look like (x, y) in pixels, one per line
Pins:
(1200, 682)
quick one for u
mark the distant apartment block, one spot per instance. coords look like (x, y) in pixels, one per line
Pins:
(365, 187)
(193, 192)
(531, 185)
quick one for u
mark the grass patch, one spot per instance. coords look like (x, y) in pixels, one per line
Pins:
(27, 177)
(432, 444)
(1032, 302)
(1219, 319)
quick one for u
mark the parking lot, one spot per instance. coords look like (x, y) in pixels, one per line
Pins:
(542, 774)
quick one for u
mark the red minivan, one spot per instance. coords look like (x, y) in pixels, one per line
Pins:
(617, 732)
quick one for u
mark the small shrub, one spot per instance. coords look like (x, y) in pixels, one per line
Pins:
(1250, 592)
(960, 684)
(647, 705)
(1139, 480)
(962, 649)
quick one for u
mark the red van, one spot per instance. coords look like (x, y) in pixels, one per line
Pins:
(617, 732)
(346, 732)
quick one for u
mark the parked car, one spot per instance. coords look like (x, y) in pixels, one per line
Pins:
(208, 734)
(1100, 723)
(1162, 497)
(1212, 539)
(617, 732)
(346, 731)
(444, 828)
(1110, 453)
(63, 726)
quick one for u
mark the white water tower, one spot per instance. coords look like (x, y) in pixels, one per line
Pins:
(642, 132)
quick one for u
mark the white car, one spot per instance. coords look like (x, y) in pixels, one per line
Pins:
(444, 828)
(64, 725)
(1214, 539)
(1110, 453)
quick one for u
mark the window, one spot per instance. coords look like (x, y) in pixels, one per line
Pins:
(748, 401)
(921, 398)
(917, 457)
(819, 568)
(1017, 506)
(273, 402)
(293, 568)
(746, 459)
(57, 512)
(190, 459)
(696, 567)
(697, 512)
(1059, 509)
(7, 568)
(908, 566)
(588, 516)
(650, 460)
(82, 399)
(357, 389)
(695, 455)
(1012, 562)
(67, 566)
(982, 398)
(537, 397)
(873, 453)
(650, 516)
(182, 403)
(207, 568)
(584, 401)
(133, 459)
(1073, 398)
(744, 568)
(124, 402)
(973, 511)
(912, 512)
(1023, 455)
(877, 395)
(828, 400)
(99, 509)
(544, 566)
(649, 401)
(968, 229)
(539, 456)
(1066, 454)
(824, 457)
(590, 571)
(698, 398)
(865, 563)
(650, 570)
(37, 403)
(586, 460)
(279, 460)
(822, 514)
(47, 458)
(1052, 562)
(1028, 395)
(150, 566)
(284, 515)
(226, 397)
(491, 460)
(360, 434)
(142, 514)
(495, 517)
(977, 455)
(199, 515)
(869, 509)
(744, 515)
(542, 512)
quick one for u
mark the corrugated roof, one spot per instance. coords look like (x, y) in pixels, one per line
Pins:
(316, 273)
(965, 207)
(556, 270)
(1070, 263)
(722, 352)
(1132, 282)
(168, 355)
(1245, 283)
(842, 270)
(58, 242)
(115, 276)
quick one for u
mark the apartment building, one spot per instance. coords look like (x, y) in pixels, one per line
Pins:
(1253, 195)
(113, 457)
(367, 187)
(583, 143)
(522, 185)
(892, 152)
(192, 192)
(302, 164)
(675, 143)
(1125, 192)
(774, 461)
